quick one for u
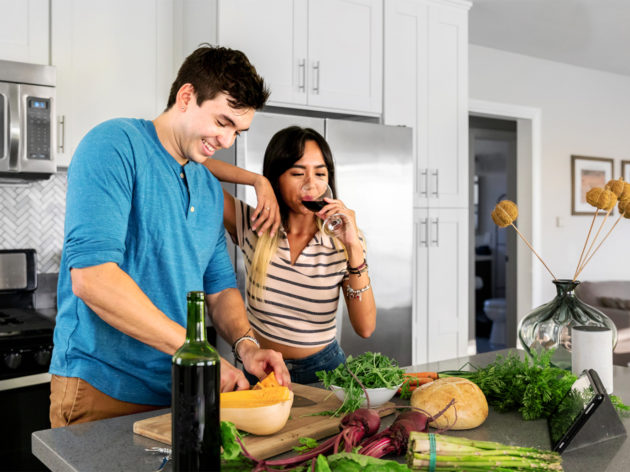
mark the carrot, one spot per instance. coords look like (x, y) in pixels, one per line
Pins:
(410, 383)
(430, 375)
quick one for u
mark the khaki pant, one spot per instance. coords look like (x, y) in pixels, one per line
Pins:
(73, 400)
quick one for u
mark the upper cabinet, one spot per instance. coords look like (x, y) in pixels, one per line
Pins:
(314, 54)
(113, 59)
(426, 77)
(24, 31)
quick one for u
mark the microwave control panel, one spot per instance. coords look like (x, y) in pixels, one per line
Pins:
(38, 128)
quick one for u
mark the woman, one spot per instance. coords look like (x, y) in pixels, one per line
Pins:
(294, 274)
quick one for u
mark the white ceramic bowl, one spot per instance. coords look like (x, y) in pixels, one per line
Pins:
(377, 396)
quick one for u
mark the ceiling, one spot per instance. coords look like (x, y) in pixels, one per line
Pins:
(587, 33)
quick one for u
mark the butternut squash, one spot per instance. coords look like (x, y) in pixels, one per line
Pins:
(262, 410)
(269, 381)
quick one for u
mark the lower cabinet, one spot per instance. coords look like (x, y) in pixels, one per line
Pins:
(441, 309)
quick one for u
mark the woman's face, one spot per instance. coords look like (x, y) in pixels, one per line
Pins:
(306, 180)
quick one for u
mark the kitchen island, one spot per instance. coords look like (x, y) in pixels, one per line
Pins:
(110, 445)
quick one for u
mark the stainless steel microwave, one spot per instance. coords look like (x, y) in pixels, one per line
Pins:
(27, 120)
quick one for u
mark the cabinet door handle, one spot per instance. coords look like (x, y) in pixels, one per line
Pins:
(302, 73)
(435, 239)
(423, 242)
(424, 177)
(61, 133)
(436, 174)
(316, 77)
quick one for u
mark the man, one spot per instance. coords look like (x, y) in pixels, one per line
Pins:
(144, 227)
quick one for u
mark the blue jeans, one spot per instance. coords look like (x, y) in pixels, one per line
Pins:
(303, 370)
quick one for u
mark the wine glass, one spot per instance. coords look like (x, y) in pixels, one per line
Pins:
(313, 194)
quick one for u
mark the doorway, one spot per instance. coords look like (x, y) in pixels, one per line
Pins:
(492, 144)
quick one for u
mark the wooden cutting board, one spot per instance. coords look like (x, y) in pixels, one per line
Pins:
(314, 400)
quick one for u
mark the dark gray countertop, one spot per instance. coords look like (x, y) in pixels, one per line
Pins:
(110, 445)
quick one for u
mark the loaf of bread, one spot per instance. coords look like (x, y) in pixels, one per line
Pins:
(470, 402)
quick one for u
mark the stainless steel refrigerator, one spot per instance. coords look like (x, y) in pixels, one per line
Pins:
(374, 174)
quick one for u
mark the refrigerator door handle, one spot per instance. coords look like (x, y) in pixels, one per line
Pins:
(435, 239)
(435, 174)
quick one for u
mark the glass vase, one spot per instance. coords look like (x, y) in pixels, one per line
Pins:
(549, 325)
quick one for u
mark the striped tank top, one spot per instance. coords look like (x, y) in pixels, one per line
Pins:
(300, 301)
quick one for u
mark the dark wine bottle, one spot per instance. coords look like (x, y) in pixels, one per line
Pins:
(196, 432)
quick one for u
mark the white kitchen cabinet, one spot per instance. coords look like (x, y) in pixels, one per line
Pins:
(440, 305)
(113, 59)
(314, 54)
(426, 87)
(345, 49)
(24, 33)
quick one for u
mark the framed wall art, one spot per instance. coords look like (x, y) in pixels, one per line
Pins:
(625, 170)
(586, 173)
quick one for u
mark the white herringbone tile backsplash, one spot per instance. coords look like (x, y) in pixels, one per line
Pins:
(32, 216)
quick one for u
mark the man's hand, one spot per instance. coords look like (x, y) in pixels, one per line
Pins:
(232, 378)
(267, 213)
(260, 362)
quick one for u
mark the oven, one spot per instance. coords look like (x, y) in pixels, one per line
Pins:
(26, 341)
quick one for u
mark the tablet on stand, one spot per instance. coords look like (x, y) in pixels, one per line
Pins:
(584, 416)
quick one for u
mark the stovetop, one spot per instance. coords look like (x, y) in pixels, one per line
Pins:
(23, 322)
(26, 342)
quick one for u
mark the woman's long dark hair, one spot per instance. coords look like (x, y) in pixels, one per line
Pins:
(283, 151)
(285, 148)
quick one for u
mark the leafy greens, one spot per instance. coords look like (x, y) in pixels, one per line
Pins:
(374, 370)
(533, 387)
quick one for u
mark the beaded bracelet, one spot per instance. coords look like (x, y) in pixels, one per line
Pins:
(363, 267)
(238, 341)
(352, 293)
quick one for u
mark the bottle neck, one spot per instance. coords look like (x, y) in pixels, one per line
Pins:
(196, 326)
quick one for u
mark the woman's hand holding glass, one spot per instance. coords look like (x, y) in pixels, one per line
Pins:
(339, 221)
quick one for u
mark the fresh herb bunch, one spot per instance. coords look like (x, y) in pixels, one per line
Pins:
(373, 369)
(533, 387)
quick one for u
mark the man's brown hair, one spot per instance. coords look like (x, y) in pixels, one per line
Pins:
(213, 69)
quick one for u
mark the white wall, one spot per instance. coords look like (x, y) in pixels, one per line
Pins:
(584, 112)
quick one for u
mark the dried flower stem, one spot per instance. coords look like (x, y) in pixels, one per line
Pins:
(588, 252)
(577, 269)
(533, 250)
(598, 246)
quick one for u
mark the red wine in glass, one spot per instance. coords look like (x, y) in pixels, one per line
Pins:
(314, 205)
(332, 223)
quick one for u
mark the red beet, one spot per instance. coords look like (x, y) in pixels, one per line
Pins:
(355, 426)
(395, 438)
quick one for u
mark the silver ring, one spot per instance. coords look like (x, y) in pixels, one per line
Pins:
(267, 208)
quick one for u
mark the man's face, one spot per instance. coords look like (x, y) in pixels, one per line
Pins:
(213, 125)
